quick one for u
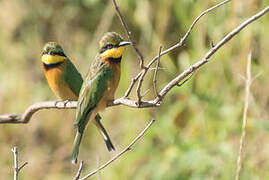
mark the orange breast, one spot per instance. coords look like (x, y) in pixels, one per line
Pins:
(56, 82)
(113, 85)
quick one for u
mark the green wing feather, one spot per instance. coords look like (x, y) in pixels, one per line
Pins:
(91, 93)
(72, 77)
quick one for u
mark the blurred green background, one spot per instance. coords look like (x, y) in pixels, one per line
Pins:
(196, 135)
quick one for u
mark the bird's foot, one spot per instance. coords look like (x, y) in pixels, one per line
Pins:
(56, 102)
(66, 101)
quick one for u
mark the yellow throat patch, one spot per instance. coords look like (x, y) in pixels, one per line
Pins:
(113, 53)
(52, 59)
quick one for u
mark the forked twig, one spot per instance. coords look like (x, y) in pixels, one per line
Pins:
(208, 55)
(17, 169)
(177, 45)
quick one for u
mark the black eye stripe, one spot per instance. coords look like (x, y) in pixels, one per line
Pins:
(108, 46)
(54, 53)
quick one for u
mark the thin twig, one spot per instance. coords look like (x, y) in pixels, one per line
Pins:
(128, 32)
(22, 166)
(131, 86)
(139, 85)
(121, 153)
(17, 169)
(79, 171)
(16, 172)
(244, 122)
(155, 73)
(199, 17)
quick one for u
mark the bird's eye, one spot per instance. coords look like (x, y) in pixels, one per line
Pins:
(109, 46)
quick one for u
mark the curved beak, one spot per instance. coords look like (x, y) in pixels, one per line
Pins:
(124, 43)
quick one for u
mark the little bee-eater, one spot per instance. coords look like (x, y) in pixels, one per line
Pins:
(100, 84)
(65, 80)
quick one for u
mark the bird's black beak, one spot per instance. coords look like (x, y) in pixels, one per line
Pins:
(124, 43)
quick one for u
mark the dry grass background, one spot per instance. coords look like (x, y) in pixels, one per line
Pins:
(198, 127)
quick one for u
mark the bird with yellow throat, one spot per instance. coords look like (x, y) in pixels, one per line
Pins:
(100, 84)
(65, 80)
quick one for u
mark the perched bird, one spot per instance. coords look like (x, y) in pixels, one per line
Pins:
(100, 84)
(65, 81)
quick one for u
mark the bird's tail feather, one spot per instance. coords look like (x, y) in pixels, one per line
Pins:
(103, 132)
(76, 147)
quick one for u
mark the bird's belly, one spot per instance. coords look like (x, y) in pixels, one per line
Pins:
(113, 85)
(57, 84)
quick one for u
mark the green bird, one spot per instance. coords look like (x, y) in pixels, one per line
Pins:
(100, 84)
(65, 80)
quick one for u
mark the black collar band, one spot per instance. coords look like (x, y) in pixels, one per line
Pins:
(114, 60)
(53, 65)
(54, 53)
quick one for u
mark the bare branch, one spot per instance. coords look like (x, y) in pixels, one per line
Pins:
(244, 122)
(128, 32)
(79, 171)
(179, 44)
(16, 167)
(29, 112)
(199, 17)
(121, 153)
(25, 117)
(16, 172)
(140, 76)
(139, 85)
(155, 73)
(212, 51)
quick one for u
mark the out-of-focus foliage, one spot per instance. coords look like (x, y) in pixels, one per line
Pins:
(198, 126)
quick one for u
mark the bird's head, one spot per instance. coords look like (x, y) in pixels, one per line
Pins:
(112, 46)
(52, 48)
(52, 53)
